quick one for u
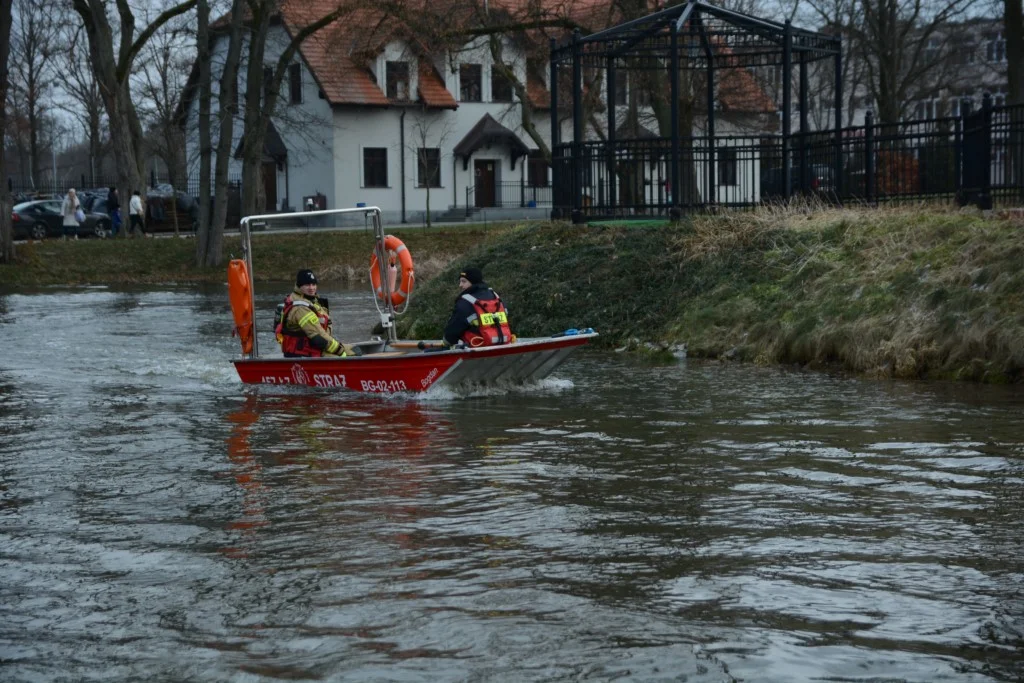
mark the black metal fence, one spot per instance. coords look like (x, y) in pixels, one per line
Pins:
(508, 195)
(977, 158)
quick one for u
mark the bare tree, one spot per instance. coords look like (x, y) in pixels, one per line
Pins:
(34, 47)
(84, 101)
(112, 73)
(261, 95)
(204, 87)
(428, 133)
(904, 46)
(6, 236)
(164, 65)
(836, 17)
(210, 237)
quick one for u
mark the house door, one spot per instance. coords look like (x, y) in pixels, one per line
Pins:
(484, 172)
(270, 185)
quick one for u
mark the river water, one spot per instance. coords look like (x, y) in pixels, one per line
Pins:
(619, 521)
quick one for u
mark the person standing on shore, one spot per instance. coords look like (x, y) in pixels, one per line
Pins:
(114, 209)
(136, 212)
(71, 210)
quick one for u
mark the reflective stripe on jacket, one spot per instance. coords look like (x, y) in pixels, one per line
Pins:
(305, 328)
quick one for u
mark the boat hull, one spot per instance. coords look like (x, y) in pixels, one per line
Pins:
(418, 370)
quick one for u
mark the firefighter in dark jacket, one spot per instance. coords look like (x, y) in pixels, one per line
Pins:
(479, 318)
(304, 324)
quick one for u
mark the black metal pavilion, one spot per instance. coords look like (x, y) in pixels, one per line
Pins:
(614, 176)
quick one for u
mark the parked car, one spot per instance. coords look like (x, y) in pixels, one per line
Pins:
(819, 181)
(158, 202)
(42, 218)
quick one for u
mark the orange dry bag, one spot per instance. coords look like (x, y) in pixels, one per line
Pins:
(240, 294)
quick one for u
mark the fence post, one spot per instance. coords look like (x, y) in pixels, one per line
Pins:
(556, 171)
(838, 182)
(958, 159)
(985, 197)
(787, 97)
(577, 128)
(869, 157)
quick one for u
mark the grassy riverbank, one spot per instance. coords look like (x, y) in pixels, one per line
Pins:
(334, 256)
(892, 293)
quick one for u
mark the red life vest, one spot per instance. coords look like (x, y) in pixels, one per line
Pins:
(489, 324)
(295, 342)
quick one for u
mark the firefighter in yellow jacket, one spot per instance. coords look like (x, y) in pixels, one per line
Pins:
(304, 324)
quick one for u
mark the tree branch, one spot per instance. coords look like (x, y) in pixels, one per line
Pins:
(124, 67)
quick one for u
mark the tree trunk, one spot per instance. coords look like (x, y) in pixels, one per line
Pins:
(112, 76)
(258, 107)
(210, 245)
(205, 86)
(1013, 28)
(261, 97)
(6, 236)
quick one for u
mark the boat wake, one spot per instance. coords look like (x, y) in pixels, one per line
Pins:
(548, 385)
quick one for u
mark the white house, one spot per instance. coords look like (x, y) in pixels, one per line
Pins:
(376, 120)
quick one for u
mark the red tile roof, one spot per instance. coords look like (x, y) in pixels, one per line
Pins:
(432, 89)
(339, 55)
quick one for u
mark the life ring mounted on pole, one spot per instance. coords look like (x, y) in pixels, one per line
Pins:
(398, 250)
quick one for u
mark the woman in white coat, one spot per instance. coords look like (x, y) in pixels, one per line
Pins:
(69, 209)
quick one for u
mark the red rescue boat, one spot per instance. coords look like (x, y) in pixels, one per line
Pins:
(389, 365)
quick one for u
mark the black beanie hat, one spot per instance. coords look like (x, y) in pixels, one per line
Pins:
(474, 275)
(305, 277)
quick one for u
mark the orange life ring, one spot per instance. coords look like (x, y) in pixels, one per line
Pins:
(240, 293)
(398, 296)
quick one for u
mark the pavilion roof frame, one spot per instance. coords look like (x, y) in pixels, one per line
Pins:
(736, 40)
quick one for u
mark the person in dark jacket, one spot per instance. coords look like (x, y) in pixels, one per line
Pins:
(479, 318)
(114, 209)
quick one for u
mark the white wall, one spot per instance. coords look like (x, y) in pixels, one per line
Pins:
(305, 128)
(358, 127)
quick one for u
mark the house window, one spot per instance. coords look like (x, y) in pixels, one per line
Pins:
(727, 170)
(501, 87)
(999, 97)
(268, 76)
(644, 97)
(963, 53)
(537, 169)
(926, 109)
(397, 76)
(469, 82)
(375, 167)
(932, 49)
(621, 84)
(429, 162)
(295, 83)
(995, 48)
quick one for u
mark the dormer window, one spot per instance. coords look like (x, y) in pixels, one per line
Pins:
(469, 82)
(397, 77)
(501, 87)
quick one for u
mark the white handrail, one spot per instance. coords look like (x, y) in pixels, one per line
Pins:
(387, 317)
(299, 214)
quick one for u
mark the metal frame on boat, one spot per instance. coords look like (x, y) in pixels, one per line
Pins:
(388, 365)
